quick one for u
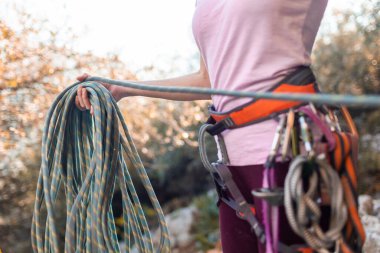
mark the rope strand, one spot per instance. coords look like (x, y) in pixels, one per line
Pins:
(323, 98)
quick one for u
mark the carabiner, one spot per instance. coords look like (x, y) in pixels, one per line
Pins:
(202, 148)
(276, 142)
(287, 135)
(306, 135)
(334, 121)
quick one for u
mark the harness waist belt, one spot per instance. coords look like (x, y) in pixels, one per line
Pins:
(300, 81)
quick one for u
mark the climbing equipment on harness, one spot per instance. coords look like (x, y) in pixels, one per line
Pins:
(87, 157)
(301, 206)
(339, 180)
(322, 163)
(223, 178)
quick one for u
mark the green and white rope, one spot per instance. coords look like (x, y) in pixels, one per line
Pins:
(87, 157)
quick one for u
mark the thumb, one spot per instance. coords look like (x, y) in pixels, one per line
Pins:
(83, 77)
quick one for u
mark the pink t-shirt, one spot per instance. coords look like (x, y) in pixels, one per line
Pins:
(250, 45)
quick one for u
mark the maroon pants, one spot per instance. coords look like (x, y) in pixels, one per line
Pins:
(236, 233)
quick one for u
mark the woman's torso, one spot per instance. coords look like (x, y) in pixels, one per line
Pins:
(250, 45)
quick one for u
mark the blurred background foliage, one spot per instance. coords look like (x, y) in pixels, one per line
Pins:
(347, 60)
(35, 66)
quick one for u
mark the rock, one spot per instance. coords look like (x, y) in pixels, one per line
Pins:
(365, 205)
(376, 207)
(179, 223)
(372, 244)
(372, 228)
(371, 223)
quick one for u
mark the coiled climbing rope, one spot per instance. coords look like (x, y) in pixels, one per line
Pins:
(87, 157)
(302, 209)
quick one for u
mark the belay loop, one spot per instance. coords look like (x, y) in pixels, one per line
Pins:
(88, 157)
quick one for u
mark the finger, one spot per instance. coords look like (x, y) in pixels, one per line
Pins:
(79, 93)
(107, 85)
(92, 110)
(86, 101)
(82, 77)
(77, 104)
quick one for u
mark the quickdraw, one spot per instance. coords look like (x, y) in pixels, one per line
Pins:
(322, 170)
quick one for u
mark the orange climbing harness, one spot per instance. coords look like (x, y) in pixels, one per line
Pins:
(301, 81)
(341, 155)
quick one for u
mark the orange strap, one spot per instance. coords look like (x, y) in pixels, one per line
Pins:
(305, 250)
(344, 159)
(352, 209)
(344, 247)
(262, 108)
(349, 121)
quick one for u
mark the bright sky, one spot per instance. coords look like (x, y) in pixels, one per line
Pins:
(142, 32)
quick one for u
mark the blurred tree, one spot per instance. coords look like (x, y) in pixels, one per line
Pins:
(34, 67)
(347, 59)
(36, 63)
(206, 228)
